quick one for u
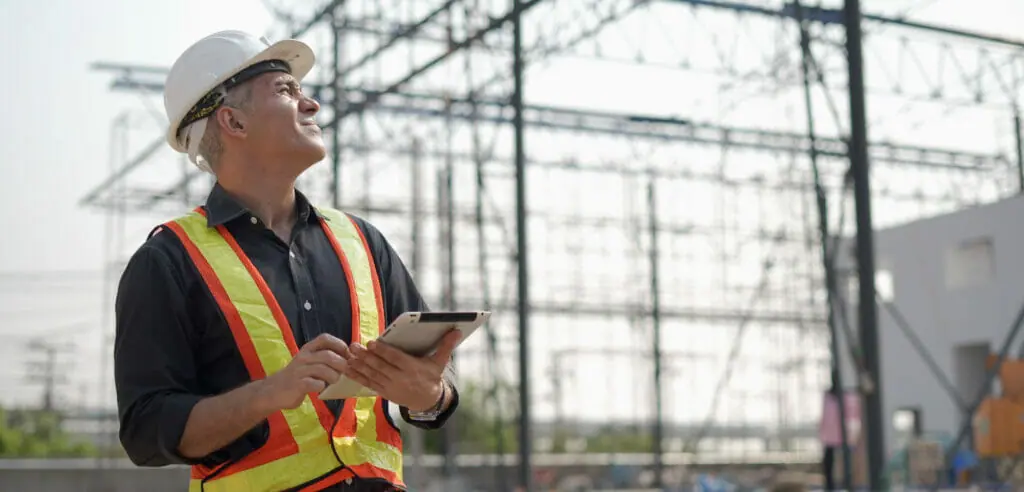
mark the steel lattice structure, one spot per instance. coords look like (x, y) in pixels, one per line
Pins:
(702, 98)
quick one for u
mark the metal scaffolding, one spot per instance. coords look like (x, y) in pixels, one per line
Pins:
(511, 150)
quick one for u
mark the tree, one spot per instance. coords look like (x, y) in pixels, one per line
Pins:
(477, 426)
(479, 431)
(38, 434)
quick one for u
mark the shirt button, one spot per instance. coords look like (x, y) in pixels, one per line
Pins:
(291, 253)
(308, 306)
(254, 220)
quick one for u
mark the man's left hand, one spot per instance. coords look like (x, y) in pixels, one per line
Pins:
(408, 381)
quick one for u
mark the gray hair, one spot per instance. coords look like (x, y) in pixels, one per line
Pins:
(211, 147)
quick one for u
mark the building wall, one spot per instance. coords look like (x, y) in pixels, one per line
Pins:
(956, 280)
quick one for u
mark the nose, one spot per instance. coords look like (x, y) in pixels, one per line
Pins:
(309, 106)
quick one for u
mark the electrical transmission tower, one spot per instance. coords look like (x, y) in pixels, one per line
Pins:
(49, 369)
(545, 127)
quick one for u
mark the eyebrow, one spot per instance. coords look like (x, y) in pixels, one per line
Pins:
(291, 83)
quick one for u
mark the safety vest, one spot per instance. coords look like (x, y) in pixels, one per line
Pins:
(306, 449)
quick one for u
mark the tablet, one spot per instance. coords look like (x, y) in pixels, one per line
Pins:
(415, 333)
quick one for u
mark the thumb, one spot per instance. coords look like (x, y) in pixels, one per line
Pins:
(447, 347)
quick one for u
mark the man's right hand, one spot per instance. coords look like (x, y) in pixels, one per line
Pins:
(318, 364)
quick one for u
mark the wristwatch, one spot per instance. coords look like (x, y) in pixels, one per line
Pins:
(432, 412)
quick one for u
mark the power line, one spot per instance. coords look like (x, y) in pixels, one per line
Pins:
(50, 371)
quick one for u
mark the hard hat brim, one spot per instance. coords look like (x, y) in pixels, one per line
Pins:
(298, 55)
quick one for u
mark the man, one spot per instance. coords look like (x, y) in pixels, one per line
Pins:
(231, 319)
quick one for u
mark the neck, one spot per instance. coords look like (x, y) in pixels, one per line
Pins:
(269, 198)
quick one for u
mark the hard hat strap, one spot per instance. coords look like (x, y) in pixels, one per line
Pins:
(215, 98)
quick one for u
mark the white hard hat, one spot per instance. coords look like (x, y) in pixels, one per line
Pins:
(206, 70)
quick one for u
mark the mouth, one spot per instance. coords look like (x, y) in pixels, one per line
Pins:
(309, 123)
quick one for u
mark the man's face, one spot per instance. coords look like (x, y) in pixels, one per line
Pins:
(281, 125)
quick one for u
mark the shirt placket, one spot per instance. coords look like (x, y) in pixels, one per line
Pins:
(305, 293)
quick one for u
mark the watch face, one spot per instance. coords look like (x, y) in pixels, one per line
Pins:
(429, 415)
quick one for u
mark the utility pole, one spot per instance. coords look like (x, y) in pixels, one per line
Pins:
(522, 248)
(868, 315)
(47, 371)
(659, 417)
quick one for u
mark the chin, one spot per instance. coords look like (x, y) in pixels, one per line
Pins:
(309, 156)
(310, 151)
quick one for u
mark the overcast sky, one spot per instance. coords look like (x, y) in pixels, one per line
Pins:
(55, 126)
(57, 112)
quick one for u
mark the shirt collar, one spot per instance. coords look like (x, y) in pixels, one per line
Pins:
(221, 208)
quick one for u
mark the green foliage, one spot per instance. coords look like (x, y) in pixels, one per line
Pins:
(478, 430)
(38, 434)
(620, 441)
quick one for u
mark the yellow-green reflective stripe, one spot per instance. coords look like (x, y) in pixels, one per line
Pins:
(364, 447)
(266, 335)
(316, 460)
(351, 243)
(358, 452)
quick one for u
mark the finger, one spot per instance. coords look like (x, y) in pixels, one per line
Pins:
(326, 341)
(328, 357)
(365, 362)
(312, 385)
(359, 375)
(447, 347)
(390, 355)
(322, 372)
(377, 364)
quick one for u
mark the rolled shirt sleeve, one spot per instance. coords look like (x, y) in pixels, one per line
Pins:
(154, 368)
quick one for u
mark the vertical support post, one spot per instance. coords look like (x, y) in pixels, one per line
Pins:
(448, 437)
(337, 106)
(522, 260)
(865, 246)
(557, 387)
(827, 256)
(659, 417)
(1020, 147)
(416, 479)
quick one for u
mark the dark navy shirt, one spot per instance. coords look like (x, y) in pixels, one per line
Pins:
(173, 346)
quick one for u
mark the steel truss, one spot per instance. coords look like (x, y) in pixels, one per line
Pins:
(750, 245)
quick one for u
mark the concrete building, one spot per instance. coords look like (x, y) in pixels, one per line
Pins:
(956, 281)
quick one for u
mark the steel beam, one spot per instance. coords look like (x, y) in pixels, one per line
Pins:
(373, 97)
(643, 126)
(835, 16)
(404, 34)
(868, 313)
(831, 287)
(659, 418)
(523, 301)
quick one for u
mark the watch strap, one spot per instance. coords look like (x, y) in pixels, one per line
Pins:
(432, 412)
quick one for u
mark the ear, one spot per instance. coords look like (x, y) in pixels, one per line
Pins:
(231, 121)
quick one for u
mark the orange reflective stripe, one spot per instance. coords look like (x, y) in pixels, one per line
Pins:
(353, 296)
(301, 447)
(234, 320)
(386, 433)
(375, 279)
(252, 312)
(365, 437)
(280, 442)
